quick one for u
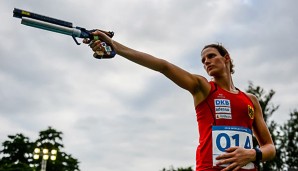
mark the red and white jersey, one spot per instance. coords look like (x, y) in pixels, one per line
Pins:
(220, 108)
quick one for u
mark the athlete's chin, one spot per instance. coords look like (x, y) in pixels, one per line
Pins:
(212, 73)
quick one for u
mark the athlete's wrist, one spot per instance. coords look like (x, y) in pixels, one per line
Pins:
(258, 156)
(251, 154)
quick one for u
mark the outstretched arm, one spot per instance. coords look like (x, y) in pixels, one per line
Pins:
(195, 84)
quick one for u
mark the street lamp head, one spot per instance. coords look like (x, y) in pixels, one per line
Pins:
(37, 150)
(45, 151)
(36, 156)
(45, 157)
(53, 158)
(54, 152)
(45, 154)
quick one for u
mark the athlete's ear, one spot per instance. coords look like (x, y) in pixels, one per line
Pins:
(227, 58)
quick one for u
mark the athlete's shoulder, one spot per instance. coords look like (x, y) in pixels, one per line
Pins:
(200, 77)
(253, 98)
(203, 89)
(203, 83)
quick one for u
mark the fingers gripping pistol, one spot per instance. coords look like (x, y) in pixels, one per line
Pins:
(63, 27)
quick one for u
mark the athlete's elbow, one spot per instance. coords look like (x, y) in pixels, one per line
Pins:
(164, 67)
(270, 154)
(273, 151)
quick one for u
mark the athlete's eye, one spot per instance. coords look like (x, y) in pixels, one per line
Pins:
(208, 56)
(203, 60)
(211, 55)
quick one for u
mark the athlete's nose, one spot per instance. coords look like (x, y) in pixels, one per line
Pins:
(207, 62)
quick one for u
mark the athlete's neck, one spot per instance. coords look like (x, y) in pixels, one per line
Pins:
(226, 83)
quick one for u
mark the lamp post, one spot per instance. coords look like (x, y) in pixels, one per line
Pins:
(45, 154)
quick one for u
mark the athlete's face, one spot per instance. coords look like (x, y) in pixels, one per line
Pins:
(213, 62)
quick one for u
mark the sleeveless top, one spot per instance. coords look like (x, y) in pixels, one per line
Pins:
(220, 108)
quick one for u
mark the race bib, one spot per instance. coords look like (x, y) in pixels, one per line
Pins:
(224, 137)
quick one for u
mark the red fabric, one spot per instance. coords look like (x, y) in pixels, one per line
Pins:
(241, 106)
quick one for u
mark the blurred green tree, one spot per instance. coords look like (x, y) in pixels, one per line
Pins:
(18, 153)
(289, 142)
(178, 169)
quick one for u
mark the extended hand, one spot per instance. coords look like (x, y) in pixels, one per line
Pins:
(100, 45)
(236, 157)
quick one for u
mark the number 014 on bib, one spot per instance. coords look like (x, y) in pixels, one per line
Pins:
(224, 137)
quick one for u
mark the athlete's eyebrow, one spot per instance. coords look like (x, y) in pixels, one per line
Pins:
(209, 56)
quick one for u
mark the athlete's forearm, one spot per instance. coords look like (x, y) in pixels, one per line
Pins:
(140, 58)
(179, 76)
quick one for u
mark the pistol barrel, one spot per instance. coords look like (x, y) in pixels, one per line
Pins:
(51, 27)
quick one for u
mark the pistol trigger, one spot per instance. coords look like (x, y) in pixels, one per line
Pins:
(111, 34)
(75, 40)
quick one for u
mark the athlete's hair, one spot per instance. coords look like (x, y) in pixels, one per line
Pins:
(223, 52)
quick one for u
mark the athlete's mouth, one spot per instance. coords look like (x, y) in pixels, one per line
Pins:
(209, 68)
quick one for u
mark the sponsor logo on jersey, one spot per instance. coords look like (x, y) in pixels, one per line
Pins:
(223, 116)
(222, 109)
(222, 102)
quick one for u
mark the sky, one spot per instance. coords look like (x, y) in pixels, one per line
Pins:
(117, 115)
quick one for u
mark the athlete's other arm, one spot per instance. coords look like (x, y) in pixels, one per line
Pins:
(261, 132)
(197, 85)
